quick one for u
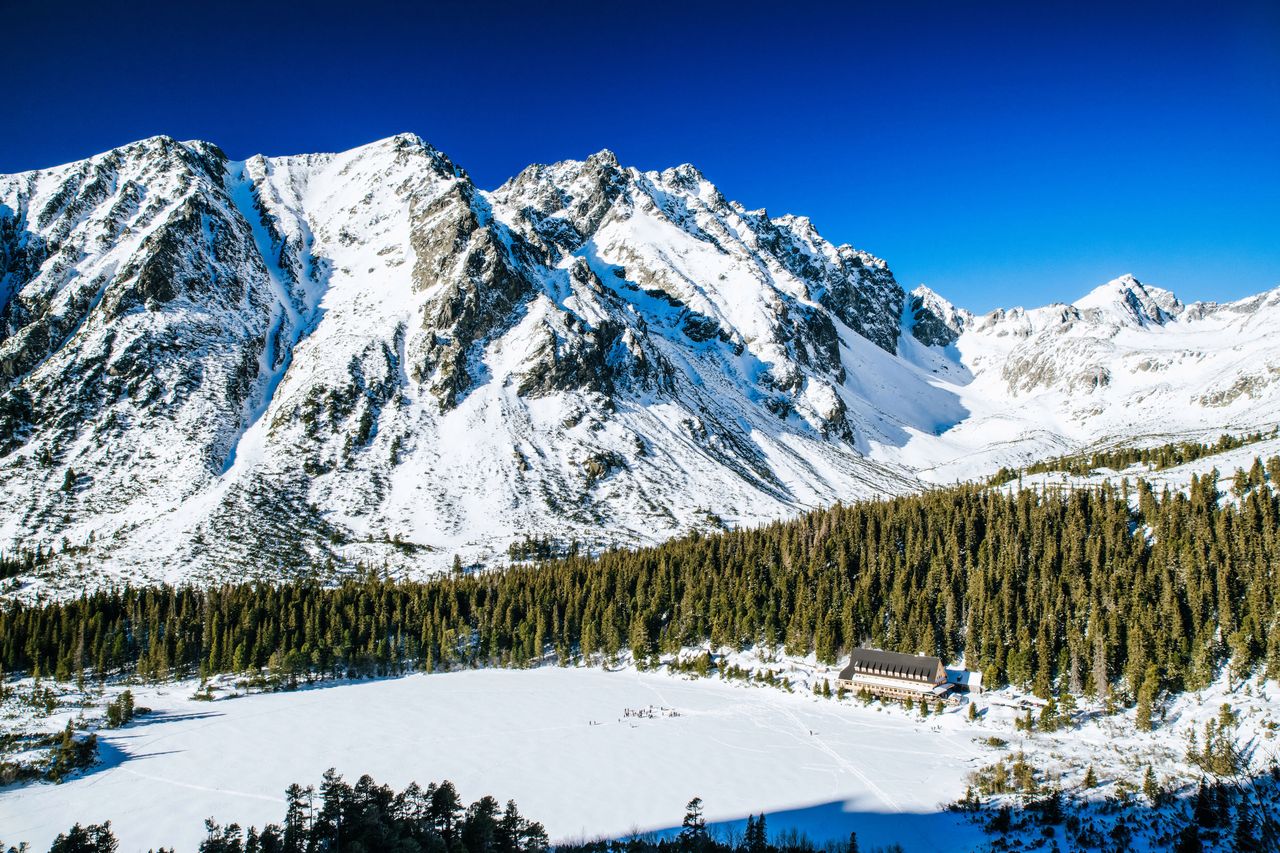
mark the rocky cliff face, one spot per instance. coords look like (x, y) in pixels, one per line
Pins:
(140, 325)
(214, 368)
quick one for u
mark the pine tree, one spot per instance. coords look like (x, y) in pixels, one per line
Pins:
(1189, 840)
(1205, 808)
(1151, 788)
(481, 825)
(297, 817)
(1049, 716)
(71, 754)
(693, 832)
(509, 831)
(755, 839)
(445, 810)
(1146, 696)
(1090, 778)
(94, 838)
(1245, 839)
(1027, 723)
(1066, 706)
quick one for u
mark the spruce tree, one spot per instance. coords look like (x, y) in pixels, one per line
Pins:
(1146, 696)
(693, 832)
(1090, 778)
(1151, 788)
(1245, 838)
(94, 838)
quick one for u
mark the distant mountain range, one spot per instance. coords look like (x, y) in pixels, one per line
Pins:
(212, 368)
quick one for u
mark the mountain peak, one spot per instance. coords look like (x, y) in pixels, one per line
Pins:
(603, 157)
(401, 142)
(552, 358)
(928, 295)
(1128, 298)
(685, 174)
(934, 320)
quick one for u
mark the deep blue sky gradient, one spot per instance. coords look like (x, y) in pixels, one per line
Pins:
(1001, 154)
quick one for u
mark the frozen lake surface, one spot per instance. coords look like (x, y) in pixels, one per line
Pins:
(558, 741)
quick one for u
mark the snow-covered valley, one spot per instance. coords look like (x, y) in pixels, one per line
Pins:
(557, 740)
(310, 366)
(598, 753)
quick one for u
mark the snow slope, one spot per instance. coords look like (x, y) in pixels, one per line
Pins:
(1127, 364)
(215, 368)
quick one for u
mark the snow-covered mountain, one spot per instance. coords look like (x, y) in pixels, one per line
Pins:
(1126, 364)
(217, 368)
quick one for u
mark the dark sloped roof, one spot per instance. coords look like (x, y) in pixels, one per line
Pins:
(893, 665)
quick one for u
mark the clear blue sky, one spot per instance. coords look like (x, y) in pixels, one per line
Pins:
(1003, 155)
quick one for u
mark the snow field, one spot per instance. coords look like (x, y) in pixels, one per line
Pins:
(613, 752)
(558, 741)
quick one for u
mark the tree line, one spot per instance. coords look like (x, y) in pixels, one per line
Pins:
(344, 818)
(1083, 592)
(23, 562)
(1161, 457)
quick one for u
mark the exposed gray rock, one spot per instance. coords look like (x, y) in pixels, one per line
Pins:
(256, 368)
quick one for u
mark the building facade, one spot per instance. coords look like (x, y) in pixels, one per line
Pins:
(891, 675)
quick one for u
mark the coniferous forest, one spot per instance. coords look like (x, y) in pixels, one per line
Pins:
(1088, 591)
(1160, 457)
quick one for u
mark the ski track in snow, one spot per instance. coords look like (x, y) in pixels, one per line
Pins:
(843, 762)
(193, 787)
